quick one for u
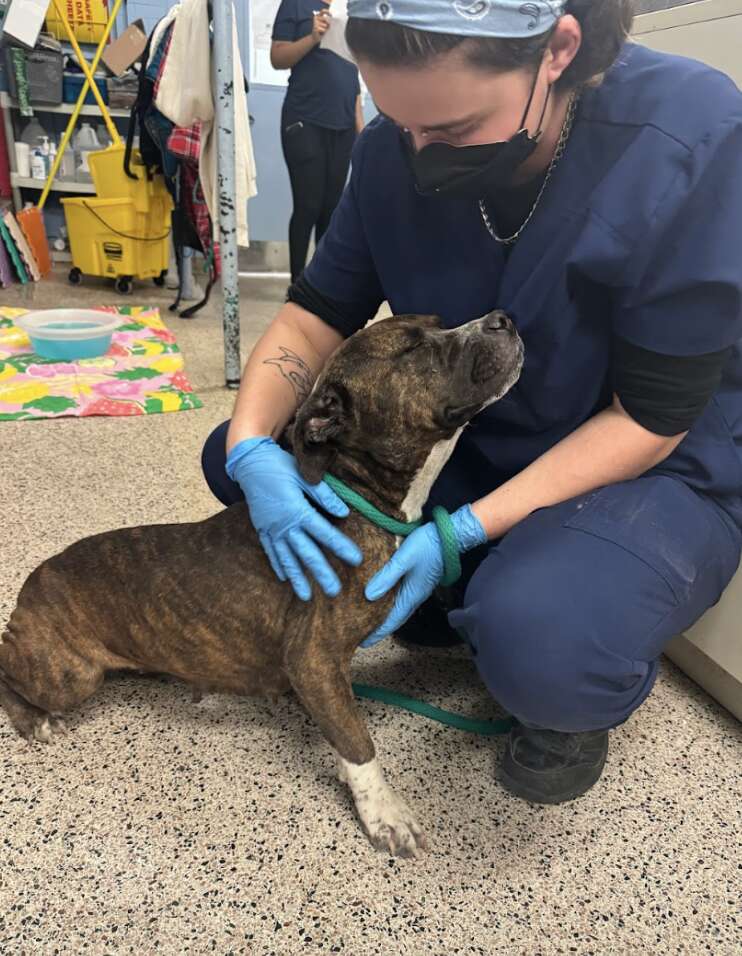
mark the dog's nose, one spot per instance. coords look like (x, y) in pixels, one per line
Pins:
(498, 322)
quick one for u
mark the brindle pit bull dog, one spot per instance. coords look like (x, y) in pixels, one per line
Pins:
(200, 601)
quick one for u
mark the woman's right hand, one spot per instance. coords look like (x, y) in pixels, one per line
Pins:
(321, 24)
(290, 529)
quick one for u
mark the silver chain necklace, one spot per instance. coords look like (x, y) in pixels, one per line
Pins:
(558, 152)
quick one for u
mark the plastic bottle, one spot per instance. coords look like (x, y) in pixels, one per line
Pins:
(61, 243)
(52, 155)
(38, 166)
(83, 174)
(101, 131)
(32, 133)
(23, 158)
(45, 150)
(67, 166)
(85, 142)
(86, 139)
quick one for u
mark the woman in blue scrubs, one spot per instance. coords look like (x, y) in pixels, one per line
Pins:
(528, 158)
(320, 119)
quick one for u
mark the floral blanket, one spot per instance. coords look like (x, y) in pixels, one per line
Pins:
(140, 374)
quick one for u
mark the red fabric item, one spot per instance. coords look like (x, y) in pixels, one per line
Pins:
(193, 202)
(185, 142)
(5, 191)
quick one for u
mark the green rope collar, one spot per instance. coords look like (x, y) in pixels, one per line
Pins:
(442, 519)
(352, 498)
(451, 574)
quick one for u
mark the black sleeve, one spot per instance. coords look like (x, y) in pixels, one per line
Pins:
(286, 22)
(665, 394)
(336, 314)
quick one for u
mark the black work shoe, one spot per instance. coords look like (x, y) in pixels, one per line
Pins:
(428, 626)
(546, 766)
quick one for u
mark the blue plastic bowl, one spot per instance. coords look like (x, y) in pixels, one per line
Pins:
(69, 334)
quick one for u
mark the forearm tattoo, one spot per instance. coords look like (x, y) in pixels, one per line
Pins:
(295, 370)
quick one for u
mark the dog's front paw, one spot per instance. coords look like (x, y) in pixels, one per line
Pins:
(46, 729)
(386, 818)
(393, 827)
(342, 772)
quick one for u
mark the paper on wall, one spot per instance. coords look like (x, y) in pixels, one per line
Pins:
(334, 38)
(262, 15)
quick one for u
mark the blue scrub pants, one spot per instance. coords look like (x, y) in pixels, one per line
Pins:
(567, 615)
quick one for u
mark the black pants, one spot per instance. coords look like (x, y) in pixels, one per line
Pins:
(318, 160)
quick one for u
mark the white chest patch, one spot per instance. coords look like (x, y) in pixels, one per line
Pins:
(419, 489)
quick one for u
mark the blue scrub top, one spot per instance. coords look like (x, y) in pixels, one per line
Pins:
(323, 87)
(638, 234)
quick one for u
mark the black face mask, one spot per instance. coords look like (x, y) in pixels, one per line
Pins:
(471, 172)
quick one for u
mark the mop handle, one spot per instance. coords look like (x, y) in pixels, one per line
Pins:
(113, 132)
(81, 98)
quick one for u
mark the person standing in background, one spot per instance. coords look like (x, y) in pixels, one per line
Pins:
(320, 119)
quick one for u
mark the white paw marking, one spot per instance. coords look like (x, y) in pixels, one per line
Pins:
(48, 729)
(386, 818)
(43, 731)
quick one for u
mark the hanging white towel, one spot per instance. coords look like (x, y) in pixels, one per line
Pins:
(186, 94)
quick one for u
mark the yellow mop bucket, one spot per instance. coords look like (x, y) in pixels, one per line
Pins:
(31, 220)
(111, 238)
(111, 182)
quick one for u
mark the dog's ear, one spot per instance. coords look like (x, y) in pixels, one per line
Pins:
(318, 422)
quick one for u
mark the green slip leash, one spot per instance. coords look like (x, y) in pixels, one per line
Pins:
(451, 574)
(485, 728)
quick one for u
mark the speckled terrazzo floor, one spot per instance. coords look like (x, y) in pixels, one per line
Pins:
(160, 826)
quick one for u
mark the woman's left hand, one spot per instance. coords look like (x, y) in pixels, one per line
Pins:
(419, 563)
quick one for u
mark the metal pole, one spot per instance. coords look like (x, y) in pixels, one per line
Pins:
(223, 63)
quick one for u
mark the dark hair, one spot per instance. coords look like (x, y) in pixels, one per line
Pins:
(605, 26)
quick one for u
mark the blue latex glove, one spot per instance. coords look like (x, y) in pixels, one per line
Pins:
(290, 529)
(419, 562)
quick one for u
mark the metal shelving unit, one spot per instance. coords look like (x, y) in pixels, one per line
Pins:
(60, 185)
(222, 53)
(89, 110)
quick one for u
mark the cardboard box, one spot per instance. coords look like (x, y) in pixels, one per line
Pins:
(126, 49)
(24, 20)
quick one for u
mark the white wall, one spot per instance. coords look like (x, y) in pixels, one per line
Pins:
(710, 31)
